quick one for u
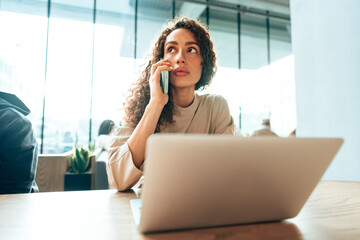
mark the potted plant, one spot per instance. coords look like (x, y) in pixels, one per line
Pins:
(79, 173)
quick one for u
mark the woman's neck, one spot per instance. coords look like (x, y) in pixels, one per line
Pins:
(183, 97)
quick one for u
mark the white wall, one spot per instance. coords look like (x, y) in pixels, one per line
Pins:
(326, 45)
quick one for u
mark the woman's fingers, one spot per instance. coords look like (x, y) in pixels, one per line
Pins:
(159, 63)
(156, 93)
(159, 70)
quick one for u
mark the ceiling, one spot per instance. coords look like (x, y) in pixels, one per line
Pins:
(276, 6)
(194, 8)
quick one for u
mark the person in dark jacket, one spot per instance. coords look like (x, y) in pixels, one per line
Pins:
(18, 147)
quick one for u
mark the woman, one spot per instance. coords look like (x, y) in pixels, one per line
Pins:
(105, 135)
(188, 55)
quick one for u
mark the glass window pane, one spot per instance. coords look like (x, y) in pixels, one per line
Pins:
(277, 94)
(68, 86)
(227, 82)
(224, 34)
(22, 56)
(38, 7)
(253, 42)
(151, 17)
(119, 15)
(262, 91)
(280, 40)
(202, 18)
(72, 10)
(113, 60)
(191, 10)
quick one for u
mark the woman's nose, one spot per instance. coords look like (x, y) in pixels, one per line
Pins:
(180, 58)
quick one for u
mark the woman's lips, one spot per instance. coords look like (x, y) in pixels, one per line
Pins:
(180, 72)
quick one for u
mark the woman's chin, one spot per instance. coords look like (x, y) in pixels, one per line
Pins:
(182, 84)
(183, 87)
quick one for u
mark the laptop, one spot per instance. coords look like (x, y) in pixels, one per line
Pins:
(196, 181)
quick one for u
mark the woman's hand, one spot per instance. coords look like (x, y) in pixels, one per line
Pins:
(156, 93)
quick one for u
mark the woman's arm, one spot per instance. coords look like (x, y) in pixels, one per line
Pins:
(128, 150)
(148, 122)
(143, 130)
(121, 171)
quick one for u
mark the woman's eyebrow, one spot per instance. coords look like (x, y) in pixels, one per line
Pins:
(187, 43)
(192, 43)
(171, 42)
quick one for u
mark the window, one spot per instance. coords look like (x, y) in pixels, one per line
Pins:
(151, 17)
(224, 34)
(253, 42)
(280, 40)
(113, 60)
(22, 55)
(84, 70)
(69, 73)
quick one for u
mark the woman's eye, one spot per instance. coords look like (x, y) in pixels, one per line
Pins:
(170, 49)
(192, 50)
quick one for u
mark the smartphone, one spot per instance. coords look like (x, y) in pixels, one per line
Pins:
(164, 81)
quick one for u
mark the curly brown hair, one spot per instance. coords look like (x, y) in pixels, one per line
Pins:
(139, 98)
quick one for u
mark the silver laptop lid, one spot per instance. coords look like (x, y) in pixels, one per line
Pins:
(196, 181)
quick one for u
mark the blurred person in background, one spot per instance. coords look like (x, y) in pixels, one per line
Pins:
(265, 131)
(18, 147)
(67, 142)
(105, 135)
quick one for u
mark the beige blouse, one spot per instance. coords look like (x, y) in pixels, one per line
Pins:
(208, 114)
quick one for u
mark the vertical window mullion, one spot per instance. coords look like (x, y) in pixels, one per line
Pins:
(135, 25)
(268, 37)
(239, 36)
(92, 72)
(46, 57)
(173, 8)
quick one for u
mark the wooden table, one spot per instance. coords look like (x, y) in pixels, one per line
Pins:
(332, 212)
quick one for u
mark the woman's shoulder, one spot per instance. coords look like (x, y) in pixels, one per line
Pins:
(125, 129)
(210, 99)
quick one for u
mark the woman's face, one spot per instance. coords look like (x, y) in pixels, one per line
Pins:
(183, 53)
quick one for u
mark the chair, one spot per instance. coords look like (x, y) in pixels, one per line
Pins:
(51, 170)
(101, 178)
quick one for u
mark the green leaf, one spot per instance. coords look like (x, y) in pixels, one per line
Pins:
(88, 164)
(76, 141)
(80, 161)
(73, 164)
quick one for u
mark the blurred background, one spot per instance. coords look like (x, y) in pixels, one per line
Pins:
(72, 62)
